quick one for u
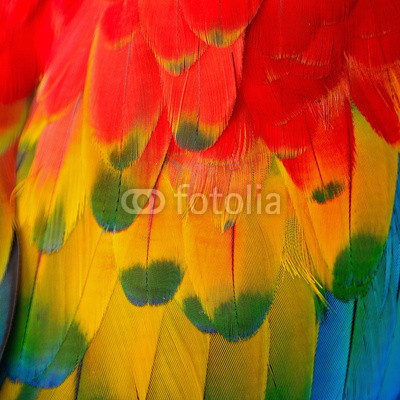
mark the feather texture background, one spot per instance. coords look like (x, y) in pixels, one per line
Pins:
(257, 142)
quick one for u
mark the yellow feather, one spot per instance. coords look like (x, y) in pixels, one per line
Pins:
(10, 390)
(180, 364)
(119, 361)
(238, 370)
(152, 249)
(294, 332)
(66, 391)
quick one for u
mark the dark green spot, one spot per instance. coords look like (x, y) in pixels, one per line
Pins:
(49, 232)
(158, 287)
(133, 281)
(225, 321)
(197, 316)
(355, 269)
(188, 136)
(252, 309)
(244, 320)
(106, 202)
(328, 192)
(121, 159)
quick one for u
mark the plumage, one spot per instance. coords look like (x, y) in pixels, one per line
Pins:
(153, 273)
(122, 132)
(53, 220)
(238, 367)
(362, 342)
(332, 352)
(199, 199)
(122, 322)
(294, 329)
(199, 107)
(219, 23)
(174, 44)
(74, 318)
(8, 291)
(374, 79)
(238, 297)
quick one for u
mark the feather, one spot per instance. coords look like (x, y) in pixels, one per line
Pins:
(372, 65)
(237, 165)
(153, 273)
(199, 107)
(68, 62)
(294, 332)
(18, 391)
(238, 369)
(109, 185)
(333, 348)
(51, 332)
(12, 120)
(118, 363)
(357, 223)
(175, 46)
(180, 364)
(122, 113)
(8, 294)
(349, 336)
(250, 101)
(47, 188)
(7, 206)
(243, 261)
(285, 74)
(389, 388)
(119, 20)
(370, 342)
(65, 391)
(219, 23)
(23, 52)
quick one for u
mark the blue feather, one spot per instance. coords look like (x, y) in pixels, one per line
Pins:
(358, 350)
(332, 351)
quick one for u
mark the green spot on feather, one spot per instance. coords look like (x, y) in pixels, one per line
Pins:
(355, 269)
(162, 281)
(132, 150)
(188, 136)
(244, 320)
(106, 202)
(328, 192)
(195, 312)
